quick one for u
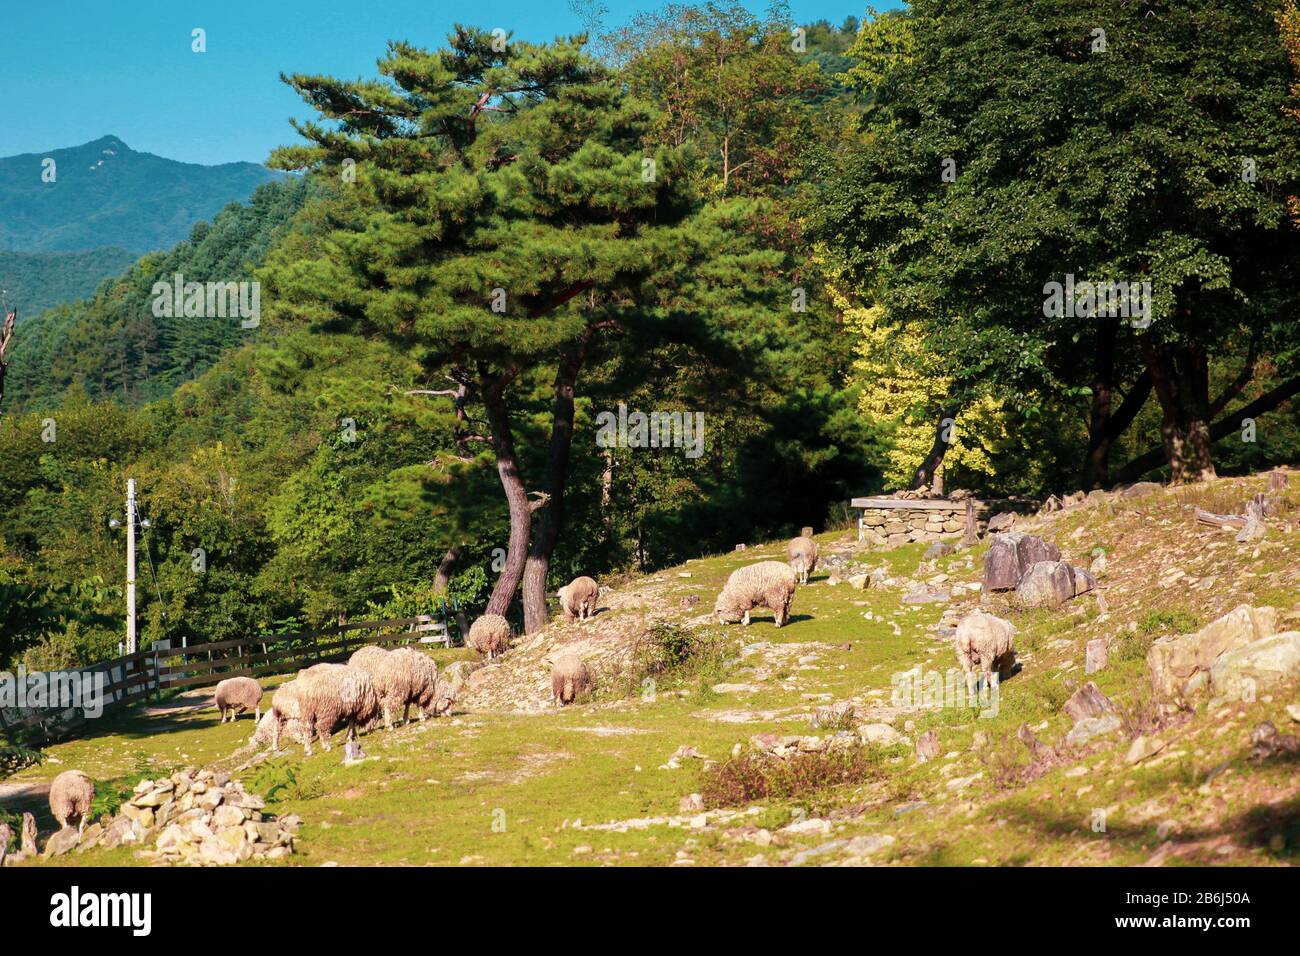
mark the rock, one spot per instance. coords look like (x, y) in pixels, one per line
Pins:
(692, 803)
(228, 816)
(882, 735)
(62, 842)
(1238, 674)
(1038, 749)
(927, 746)
(1002, 521)
(926, 596)
(1097, 655)
(1087, 702)
(1051, 583)
(1089, 727)
(1269, 743)
(29, 835)
(117, 833)
(860, 581)
(1180, 665)
(1293, 711)
(1142, 748)
(937, 550)
(868, 845)
(690, 600)
(1010, 555)
(141, 815)
(91, 837)
(1098, 565)
(1139, 489)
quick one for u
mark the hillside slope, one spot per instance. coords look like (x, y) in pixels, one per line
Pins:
(34, 282)
(509, 779)
(106, 194)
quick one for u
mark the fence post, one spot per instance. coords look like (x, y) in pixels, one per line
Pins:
(157, 677)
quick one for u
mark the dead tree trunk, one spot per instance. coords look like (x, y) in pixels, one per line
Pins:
(6, 337)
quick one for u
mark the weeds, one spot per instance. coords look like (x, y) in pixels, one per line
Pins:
(672, 655)
(1173, 620)
(759, 776)
(281, 781)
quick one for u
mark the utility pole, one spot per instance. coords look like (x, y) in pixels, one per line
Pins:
(130, 566)
(130, 563)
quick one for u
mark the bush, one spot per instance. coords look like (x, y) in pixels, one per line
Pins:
(1176, 620)
(672, 655)
(759, 776)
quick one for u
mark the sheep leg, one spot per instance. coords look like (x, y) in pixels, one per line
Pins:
(323, 731)
(388, 717)
(745, 619)
(257, 715)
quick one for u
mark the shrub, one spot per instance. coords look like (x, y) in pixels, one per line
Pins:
(1176, 620)
(673, 655)
(758, 776)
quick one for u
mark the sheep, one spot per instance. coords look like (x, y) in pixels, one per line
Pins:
(266, 733)
(578, 598)
(569, 678)
(422, 681)
(768, 584)
(238, 695)
(392, 681)
(323, 697)
(71, 795)
(801, 553)
(984, 644)
(489, 635)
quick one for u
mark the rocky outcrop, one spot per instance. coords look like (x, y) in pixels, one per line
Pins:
(1011, 555)
(1180, 666)
(1239, 674)
(1051, 583)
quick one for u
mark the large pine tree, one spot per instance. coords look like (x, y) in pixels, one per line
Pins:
(517, 220)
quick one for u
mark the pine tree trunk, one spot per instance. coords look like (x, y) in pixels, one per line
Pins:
(550, 516)
(1180, 376)
(443, 576)
(503, 445)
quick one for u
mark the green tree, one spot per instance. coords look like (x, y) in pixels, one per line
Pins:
(516, 220)
(1115, 142)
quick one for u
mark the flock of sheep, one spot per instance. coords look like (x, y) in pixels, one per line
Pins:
(984, 644)
(376, 683)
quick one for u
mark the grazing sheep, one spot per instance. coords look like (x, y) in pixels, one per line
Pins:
(265, 732)
(324, 697)
(569, 678)
(489, 635)
(238, 695)
(768, 584)
(71, 795)
(578, 598)
(392, 681)
(985, 644)
(421, 678)
(801, 553)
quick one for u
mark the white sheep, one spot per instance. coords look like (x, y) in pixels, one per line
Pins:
(324, 697)
(489, 635)
(237, 695)
(71, 795)
(392, 679)
(984, 644)
(767, 584)
(421, 681)
(578, 598)
(569, 678)
(801, 553)
(266, 734)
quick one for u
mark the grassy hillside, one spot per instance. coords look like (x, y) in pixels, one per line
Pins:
(510, 780)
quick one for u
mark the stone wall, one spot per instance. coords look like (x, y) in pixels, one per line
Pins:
(891, 522)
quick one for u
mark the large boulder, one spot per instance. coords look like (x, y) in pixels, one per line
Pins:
(1180, 666)
(1049, 583)
(1237, 674)
(1010, 555)
(1088, 701)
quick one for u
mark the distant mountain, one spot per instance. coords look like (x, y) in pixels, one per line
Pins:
(112, 344)
(35, 281)
(106, 194)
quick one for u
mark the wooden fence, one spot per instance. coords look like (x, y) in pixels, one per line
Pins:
(134, 677)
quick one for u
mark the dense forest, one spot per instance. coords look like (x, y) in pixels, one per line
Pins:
(834, 245)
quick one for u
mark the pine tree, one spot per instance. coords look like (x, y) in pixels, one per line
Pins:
(516, 222)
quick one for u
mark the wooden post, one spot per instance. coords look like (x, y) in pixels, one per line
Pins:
(971, 537)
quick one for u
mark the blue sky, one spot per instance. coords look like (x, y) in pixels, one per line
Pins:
(76, 70)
